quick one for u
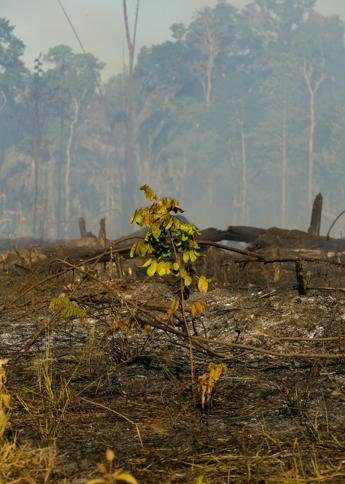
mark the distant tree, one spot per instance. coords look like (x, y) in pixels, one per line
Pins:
(81, 76)
(211, 35)
(130, 178)
(13, 77)
(319, 46)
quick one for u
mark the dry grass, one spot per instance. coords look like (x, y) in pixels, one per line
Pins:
(22, 465)
(83, 388)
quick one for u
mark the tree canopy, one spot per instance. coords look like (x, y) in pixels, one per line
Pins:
(240, 114)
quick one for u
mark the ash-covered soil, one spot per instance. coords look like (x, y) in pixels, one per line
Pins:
(121, 379)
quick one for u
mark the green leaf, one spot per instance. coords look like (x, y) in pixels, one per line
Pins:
(143, 249)
(156, 232)
(124, 478)
(193, 255)
(162, 269)
(152, 269)
(169, 223)
(137, 216)
(203, 284)
(185, 257)
(187, 280)
(147, 263)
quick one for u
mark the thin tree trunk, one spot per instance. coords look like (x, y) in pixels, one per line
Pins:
(69, 149)
(60, 159)
(51, 215)
(131, 39)
(36, 149)
(284, 166)
(45, 215)
(209, 73)
(313, 87)
(244, 178)
(311, 146)
(131, 155)
(206, 74)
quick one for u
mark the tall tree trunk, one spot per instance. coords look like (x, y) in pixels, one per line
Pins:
(284, 165)
(36, 151)
(69, 154)
(20, 221)
(209, 71)
(50, 191)
(244, 177)
(313, 86)
(311, 146)
(131, 152)
(60, 159)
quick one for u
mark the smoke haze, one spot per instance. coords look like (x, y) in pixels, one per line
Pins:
(41, 24)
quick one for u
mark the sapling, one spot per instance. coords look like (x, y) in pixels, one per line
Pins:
(171, 248)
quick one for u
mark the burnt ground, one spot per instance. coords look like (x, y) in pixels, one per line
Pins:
(120, 379)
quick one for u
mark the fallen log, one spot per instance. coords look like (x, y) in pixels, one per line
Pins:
(86, 248)
(259, 239)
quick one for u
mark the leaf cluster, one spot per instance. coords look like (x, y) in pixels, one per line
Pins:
(66, 308)
(170, 241)
(170, 245)
(208, 380)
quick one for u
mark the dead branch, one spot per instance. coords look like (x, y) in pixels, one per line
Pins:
(334, 222)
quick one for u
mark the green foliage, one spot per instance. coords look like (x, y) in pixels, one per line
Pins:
(171, 241)
(170, 244)
(228, 84)
(11, 49)
(66, 308)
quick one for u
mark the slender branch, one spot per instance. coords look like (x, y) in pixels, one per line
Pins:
(125, 17)
(290, 259)
(334, 222)
(72, 26)
(159, 324)
(254, 349)
(307, 340)
(136, 24)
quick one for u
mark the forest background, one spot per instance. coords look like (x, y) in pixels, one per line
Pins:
(240, 115)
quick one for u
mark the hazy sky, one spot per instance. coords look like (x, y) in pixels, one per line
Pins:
(41, 23)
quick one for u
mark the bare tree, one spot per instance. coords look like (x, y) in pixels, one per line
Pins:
(313, 78)
(207, 41)
(244, 176)
(131, 38)
(37, 124)
(131, 155)
(284, 164)
(69, 155)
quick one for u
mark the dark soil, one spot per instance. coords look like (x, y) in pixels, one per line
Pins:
(271, 419)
